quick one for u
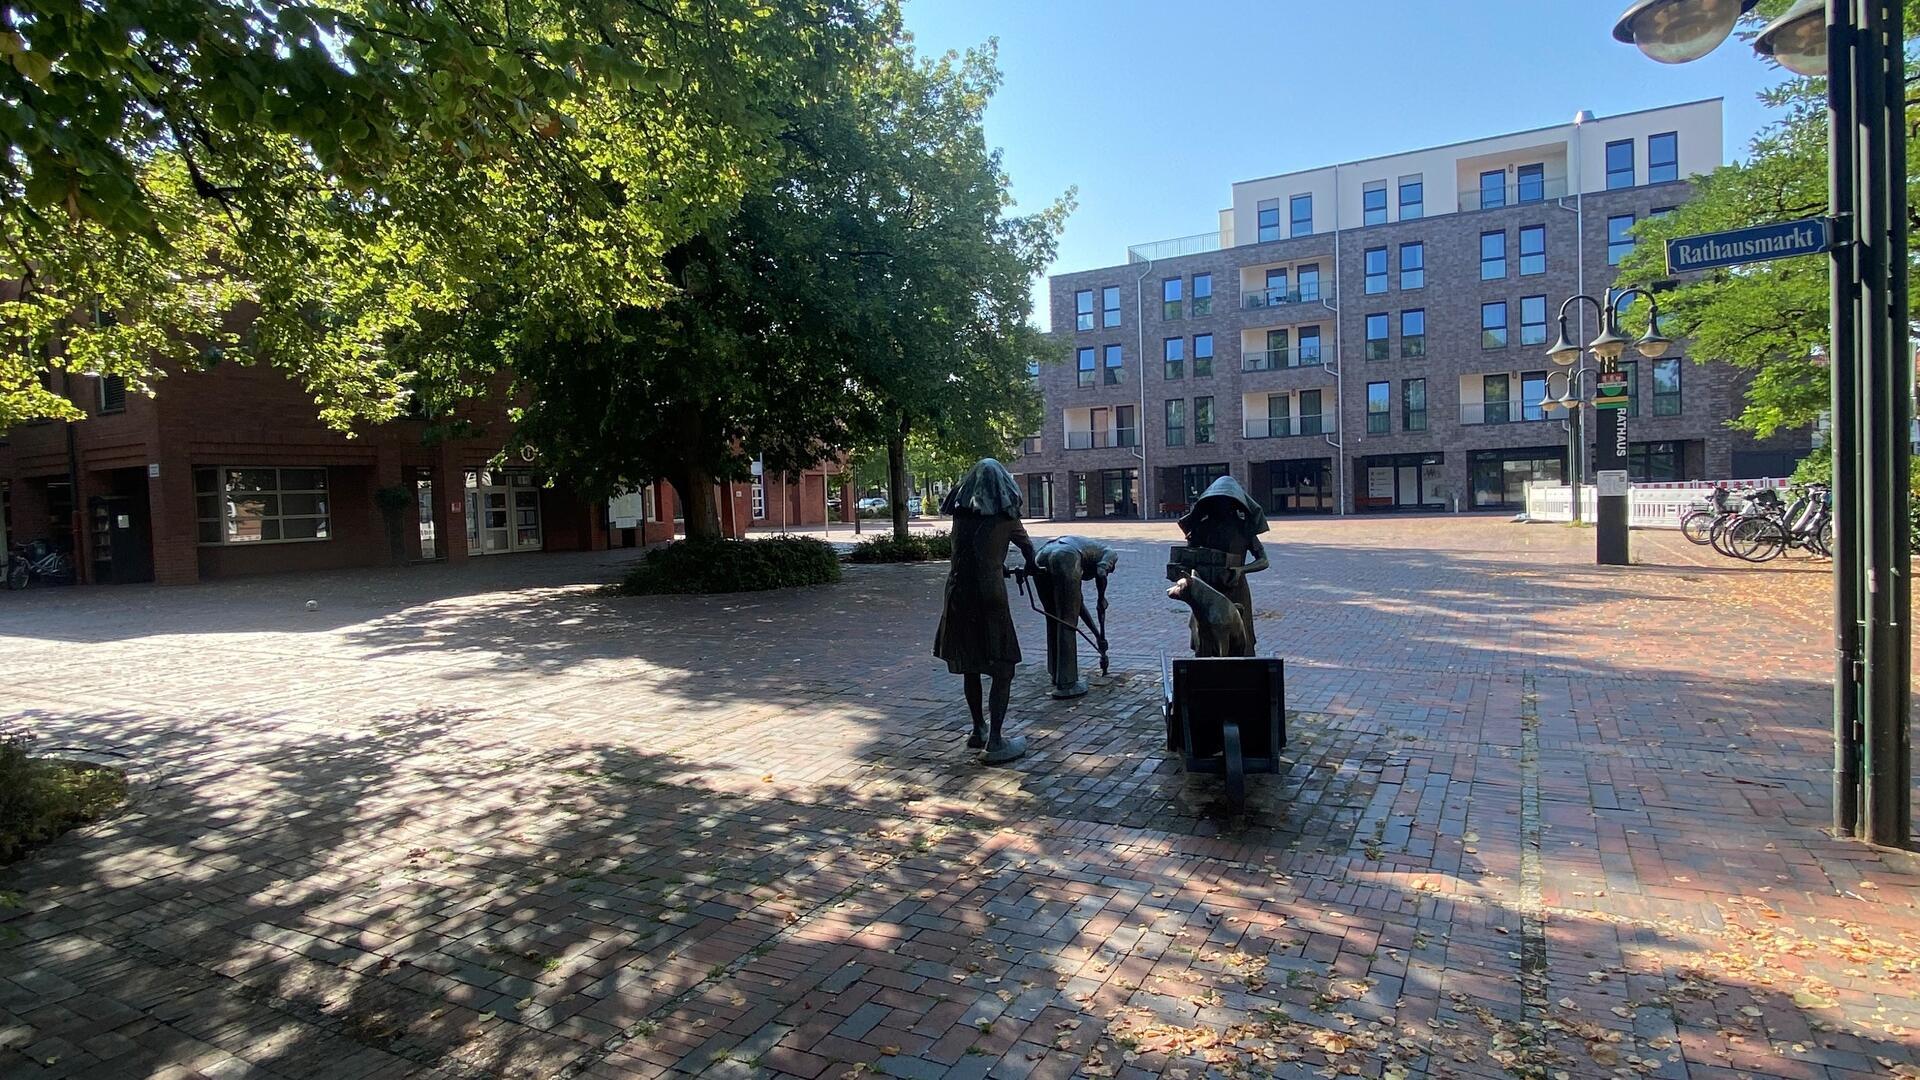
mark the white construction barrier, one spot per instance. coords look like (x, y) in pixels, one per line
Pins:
(1649, 506)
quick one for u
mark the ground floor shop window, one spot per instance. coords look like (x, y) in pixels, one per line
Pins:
(503, 511)
(1295, 487)
(1195, 479)
(1037, 489)
(1107, 493)
(1500, 477)
(1402, 482)
(246, 505)
(1654, 462)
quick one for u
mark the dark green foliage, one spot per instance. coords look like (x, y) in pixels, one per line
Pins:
(914, 547)
(722, 566)
(40, 798)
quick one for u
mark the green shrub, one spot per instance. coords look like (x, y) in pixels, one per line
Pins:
(917, 547)
(722, 566)
(41, 798)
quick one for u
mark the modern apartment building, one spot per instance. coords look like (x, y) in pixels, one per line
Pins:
(1371, 335)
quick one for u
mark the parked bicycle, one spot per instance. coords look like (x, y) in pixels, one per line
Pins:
(37, 560)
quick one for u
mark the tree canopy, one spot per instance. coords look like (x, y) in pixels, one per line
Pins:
(1769, 318)
(347, 169)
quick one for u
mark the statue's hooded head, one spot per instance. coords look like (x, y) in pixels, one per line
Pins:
(1226, 498)
(987, 489)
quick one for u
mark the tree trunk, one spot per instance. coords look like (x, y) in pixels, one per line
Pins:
(694, 486)
(897, 480)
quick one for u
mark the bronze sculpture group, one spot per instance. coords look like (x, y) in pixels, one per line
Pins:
(976, 636)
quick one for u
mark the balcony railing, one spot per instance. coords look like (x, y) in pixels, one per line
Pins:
(1100, 440)
(1498, 412)
(1267, 298)
(1528, 191)
(1279, 359)
(1179, 245)
(1280, 427)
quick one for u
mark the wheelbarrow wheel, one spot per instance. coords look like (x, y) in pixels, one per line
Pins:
(1236, 765)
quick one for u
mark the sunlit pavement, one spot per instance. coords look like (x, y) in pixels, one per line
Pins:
(1538, 818)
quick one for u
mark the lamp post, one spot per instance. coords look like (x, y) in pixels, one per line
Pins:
(1609, 404)
(1859, 46)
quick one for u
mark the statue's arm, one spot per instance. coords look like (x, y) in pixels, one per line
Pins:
(1259, 553)
(1025, 543)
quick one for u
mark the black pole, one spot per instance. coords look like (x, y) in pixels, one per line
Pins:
(1844, 419)
(1879, 76)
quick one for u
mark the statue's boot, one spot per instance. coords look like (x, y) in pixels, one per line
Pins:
(1005, 750)
(1078, 689)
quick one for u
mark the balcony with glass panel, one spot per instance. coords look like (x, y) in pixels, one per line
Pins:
(1477, 197)
(1095, 439)
(1280, 359)
(1311, 293)
(1280, 427)
(1475, 413)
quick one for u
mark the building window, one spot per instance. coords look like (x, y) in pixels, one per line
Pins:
(113, 394)
(1176, 422)
(1413, 405)
(261, 506)
(760, 497)
(1652, 463)
(1269, 218)
(1300, 215)
(1309, 346)
(1202, 420)
(1619, 238)
(1533, 387)
(1532, 183)
(1666, 386)
(1493, 324)
(1202, 294)
(1412, 198)
(1620, 164)
(1170, 306)
(1533, 250)
(1533, 320)
(1276, 291)
(1124, 431)
(1279, 419)
(1413, 265)
(1377, 336)
(1663, 157)
(1173, 353)
(1413, 333)
(1308, 276)
(1273, 358)
(1379, 408)
(1373, 203)
(1495, 399)
(1376, 270)
(1631, 370)
(1083, 309)
(1115, 373)
(1110, 306)
(1084, 361)
(1493, 256)
(1661, 211)
(1493, 189)
(1311, 422)
(1203, 356)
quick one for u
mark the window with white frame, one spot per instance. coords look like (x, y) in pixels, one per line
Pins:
(248, 505)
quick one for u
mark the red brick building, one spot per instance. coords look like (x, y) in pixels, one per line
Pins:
(228, 472)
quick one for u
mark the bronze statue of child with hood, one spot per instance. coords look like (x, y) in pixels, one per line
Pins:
(1222, 530)
(976, 635)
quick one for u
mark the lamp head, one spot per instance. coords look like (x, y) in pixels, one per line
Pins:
(1611, 343)
(1653, 345)
(1676, 31)
(1798, 39)
(1563, 352)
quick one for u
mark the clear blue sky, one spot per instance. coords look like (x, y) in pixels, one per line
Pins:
(1154, 109)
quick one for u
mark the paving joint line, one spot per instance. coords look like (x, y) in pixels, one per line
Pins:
(1533, 941)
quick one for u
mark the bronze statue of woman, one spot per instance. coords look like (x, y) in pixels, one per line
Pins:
(976, 635)
(1225, 523)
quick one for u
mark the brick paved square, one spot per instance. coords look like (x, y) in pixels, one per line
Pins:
(1537, 817)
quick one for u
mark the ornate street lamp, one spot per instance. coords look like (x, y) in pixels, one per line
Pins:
(1860, 47)
(1607, 404)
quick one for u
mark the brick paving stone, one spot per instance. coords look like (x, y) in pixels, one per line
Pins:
(490, 821)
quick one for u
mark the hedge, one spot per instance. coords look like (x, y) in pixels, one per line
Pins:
(917, 547)
(723, 566)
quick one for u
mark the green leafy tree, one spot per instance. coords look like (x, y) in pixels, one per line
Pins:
(1770, 319)
(351, 168)
(938, 303)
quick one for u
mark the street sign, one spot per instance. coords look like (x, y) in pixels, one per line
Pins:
(1759, 243)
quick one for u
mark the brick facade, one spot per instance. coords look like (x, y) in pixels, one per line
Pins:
(140, 464)
(1451, 299)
